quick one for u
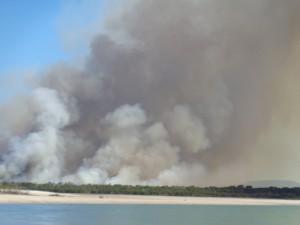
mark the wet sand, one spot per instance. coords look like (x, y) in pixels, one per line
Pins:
(39, 197)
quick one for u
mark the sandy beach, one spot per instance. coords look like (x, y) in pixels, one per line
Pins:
(39, 197)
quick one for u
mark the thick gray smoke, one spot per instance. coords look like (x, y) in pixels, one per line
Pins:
(174, 92)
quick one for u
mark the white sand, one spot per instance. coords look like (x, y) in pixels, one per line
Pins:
(39, 197)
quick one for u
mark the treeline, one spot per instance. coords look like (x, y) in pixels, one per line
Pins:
(231, 191)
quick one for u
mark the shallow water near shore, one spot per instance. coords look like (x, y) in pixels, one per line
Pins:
(26, 214)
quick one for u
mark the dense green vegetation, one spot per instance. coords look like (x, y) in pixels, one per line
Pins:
(232, 191)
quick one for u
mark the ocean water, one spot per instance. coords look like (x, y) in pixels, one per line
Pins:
(148, 215)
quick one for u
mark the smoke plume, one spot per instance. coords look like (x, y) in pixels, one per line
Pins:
(173, 92)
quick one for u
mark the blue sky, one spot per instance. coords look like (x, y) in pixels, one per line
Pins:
(29, 36)
(32, 34)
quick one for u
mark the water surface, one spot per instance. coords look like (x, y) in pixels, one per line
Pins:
(148, 215)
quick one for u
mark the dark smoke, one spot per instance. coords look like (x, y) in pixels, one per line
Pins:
(174, 92)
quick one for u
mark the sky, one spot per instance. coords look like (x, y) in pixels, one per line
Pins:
(35, 34)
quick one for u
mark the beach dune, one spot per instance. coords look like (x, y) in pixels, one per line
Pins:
(40, 197)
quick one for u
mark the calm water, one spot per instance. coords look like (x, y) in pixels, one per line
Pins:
(147, 215)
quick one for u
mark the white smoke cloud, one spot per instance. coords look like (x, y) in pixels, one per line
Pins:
(135, 152)
(38, 156)
(188, 129)
(181, 174)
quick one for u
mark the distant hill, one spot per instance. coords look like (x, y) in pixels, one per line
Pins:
(273, 183)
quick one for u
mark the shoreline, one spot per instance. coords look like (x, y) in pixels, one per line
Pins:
(40, 197)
